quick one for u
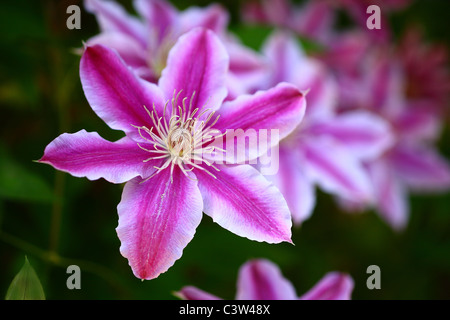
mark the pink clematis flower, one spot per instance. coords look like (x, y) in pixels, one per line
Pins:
(322, 150)
(168, 182)
(261, 279)
(144, 42)
(411, 163)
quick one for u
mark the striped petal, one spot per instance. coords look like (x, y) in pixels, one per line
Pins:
(157, 219)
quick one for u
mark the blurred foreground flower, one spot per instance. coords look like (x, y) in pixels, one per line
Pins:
(261, 279)
(164, 155)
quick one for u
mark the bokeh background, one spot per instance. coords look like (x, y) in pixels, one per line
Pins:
(57, 220)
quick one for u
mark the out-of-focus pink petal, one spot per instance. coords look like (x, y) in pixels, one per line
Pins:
(288, 59)
(157, 219)
(248, 69)
(193, 293)
(242, 201)
(213, 17)
(274, 12)
(335, 169)
(86, 154)
(390, 193)
(280, 108)
(113, 18)
(333, 286)
(421, 168)
(366, 135)
(345, 51)
(314, 20)
(290, 64)
(262, 280)
(115, 93)
(159, 15)
(386, 84)
(294, 184)
(197, 65)
(418, 123)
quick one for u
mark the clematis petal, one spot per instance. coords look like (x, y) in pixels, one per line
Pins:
(335, 169)
(292, 65)
(197, 65)
(115, 93)
(248, 69)
(314, 20)
(417, 123)
(280, 108)
(213, 17)
(295, 185)
(421, 168)
(157, 219)
(366, 135)
(113, 18)
(242, 201)
(288, 59)
(333, 286)
(193, 293)
(261, 279)
(86, 154)
(159, 15)
(390, 193)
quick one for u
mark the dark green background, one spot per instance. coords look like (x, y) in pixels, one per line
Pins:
(44, 211)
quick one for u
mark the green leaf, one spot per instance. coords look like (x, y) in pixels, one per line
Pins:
(25, 285)
(18, 183)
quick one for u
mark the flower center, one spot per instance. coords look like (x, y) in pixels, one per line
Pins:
(180, 142)
(183, 139)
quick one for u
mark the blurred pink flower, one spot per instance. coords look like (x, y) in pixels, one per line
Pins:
(144, 42)
(167, 184)
(379, 83)
(261, 279)
(326, 149)
(315, 19)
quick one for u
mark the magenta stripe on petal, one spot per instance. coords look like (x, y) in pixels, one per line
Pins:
(262, 280)
(242, 201)
(86, 154)
(421, 168)
(115, 93)
(333, 286)
(157, 219)
(197, 66)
